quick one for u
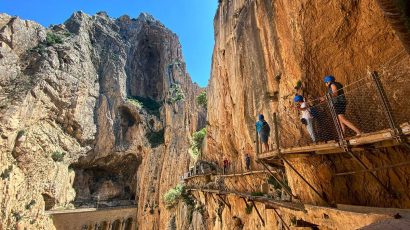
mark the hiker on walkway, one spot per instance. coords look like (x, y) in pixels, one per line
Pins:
(226, 165)
(335, 90)
(263, 129)
(305, 115)
(248, 162)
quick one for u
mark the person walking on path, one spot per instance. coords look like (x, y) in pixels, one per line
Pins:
(263, 129)
(226, 164)
(305, 115)
(335, 90)
(248, 162)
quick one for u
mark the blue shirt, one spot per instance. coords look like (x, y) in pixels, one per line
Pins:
(259, 125)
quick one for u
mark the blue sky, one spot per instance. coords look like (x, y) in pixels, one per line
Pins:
(192, 20)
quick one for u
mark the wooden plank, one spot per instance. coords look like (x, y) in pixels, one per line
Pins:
(311, 148)
(273, 153)
(371, 138)
(405, 128)
(244, 173)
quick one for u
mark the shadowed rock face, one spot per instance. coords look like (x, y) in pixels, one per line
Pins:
(87, 111)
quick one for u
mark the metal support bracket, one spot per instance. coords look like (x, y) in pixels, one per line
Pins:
(363, 165)
(257, 211)
(301, 177)
(280, 217)
(224, 201)
(285, 188)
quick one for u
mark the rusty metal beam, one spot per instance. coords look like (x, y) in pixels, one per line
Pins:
(257, 211)
(280, 217)
(287, 190)
(372, 174)
(223, 200)
(301, 177)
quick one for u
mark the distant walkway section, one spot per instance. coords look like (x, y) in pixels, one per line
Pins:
(92, 218)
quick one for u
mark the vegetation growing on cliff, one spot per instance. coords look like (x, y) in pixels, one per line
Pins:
(53, 38)
(175, 93)
(57, 156)
(248, 208)
(150, 105)
(174, 195)
(257, 193)
(196, 143)
(135, 102)
(202, 100)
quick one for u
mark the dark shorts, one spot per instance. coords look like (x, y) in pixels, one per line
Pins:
(264, 137)
(340, 108)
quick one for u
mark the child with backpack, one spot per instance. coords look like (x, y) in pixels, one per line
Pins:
(305, 115)
(263, 129)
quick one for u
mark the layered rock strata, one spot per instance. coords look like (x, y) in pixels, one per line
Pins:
(93, 110)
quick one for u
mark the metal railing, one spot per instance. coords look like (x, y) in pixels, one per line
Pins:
(372, 104)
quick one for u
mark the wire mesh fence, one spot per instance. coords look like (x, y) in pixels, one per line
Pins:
(395, 80)
(360, 108)
(363, 110)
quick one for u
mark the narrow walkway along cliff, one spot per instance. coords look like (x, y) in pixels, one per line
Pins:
(101, 124)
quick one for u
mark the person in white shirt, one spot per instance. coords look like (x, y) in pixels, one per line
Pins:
(305, 115)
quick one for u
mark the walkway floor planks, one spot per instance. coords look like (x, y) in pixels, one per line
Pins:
(260, 199)
(383, 138)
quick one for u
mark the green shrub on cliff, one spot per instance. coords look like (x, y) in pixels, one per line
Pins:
(150, 105)
(202, 100)
(175, 93)
(57, 156)
(135, 102)
(257, 193)
(171, 198)
(196, 143)
(53, 38)
(248, 208)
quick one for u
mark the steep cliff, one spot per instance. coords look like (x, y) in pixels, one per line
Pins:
(93, 110)
(264, 48)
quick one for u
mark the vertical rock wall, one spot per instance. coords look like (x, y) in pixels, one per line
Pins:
(263, 48)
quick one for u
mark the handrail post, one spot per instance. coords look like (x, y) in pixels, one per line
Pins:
(397, 132)
(275, 123)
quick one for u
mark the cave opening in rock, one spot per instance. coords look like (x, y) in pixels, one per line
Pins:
(127, 119)
(108, 185)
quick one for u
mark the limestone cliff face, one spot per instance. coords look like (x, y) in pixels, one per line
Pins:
(263, 48)
(94, 109)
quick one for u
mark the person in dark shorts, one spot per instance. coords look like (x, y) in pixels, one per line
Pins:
(335, 90)
(248, 162)
(263, 129)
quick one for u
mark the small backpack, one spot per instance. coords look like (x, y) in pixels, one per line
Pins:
(265, 127)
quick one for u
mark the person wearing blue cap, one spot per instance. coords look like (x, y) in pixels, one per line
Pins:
(335, 90)
(263, 129)
(305, 115)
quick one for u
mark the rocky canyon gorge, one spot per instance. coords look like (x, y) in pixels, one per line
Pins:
(93, 110)
(101, 111)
